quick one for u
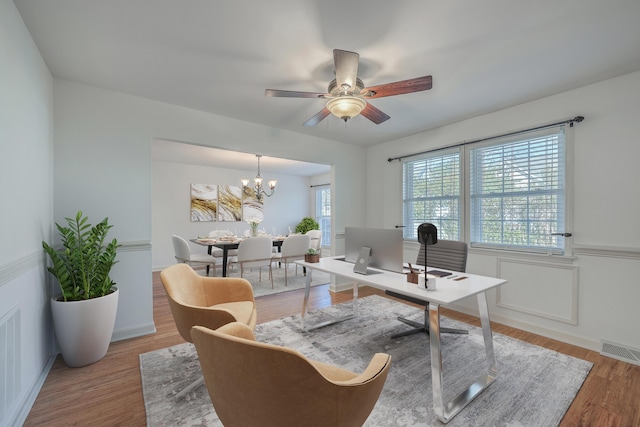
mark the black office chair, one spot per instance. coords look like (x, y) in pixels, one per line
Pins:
(448, 255)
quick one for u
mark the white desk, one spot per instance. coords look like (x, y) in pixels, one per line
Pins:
(447, 291)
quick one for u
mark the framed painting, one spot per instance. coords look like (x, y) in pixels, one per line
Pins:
(252, 208)
(229, 203)
(204, 202)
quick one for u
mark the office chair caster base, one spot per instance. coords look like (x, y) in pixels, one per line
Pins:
(418, 328)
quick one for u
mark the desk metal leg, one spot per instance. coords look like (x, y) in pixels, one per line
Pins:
(354, 306)
(446, 411)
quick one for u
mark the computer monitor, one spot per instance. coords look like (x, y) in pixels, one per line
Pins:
(385, 244)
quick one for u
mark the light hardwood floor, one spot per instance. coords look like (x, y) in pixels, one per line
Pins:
(109, 393)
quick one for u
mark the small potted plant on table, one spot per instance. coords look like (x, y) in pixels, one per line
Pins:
(312, 255)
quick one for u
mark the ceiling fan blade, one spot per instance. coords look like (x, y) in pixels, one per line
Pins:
(373, 114)
(293, 94)
(318, 117)
(346, 64)
(398, 88)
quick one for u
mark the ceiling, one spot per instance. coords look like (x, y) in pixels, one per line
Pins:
(220, 56)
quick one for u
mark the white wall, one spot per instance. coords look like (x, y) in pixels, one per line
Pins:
(606, 226)
(103, 166)
(171, 205)
(26, 172)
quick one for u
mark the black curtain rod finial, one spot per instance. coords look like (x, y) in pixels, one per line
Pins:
(576, 119)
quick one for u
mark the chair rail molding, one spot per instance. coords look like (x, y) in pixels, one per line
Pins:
(135, 245)
(20, 266)
(606, 251)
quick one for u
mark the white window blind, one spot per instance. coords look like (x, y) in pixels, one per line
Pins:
(323, 213)
(431, 193)
(517, 193)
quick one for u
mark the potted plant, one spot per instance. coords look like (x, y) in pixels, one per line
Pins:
(84, 315)
(307, 224)
(312, 255)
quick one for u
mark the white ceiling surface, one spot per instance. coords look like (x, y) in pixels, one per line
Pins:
(220, 56)
(177, 152)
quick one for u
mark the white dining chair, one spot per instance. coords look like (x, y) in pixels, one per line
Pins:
(183, 254)
(316, 239)
(255, 252)
(293, 248)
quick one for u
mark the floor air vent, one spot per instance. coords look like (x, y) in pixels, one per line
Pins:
(620, 352)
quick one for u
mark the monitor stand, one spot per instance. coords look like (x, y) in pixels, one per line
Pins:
(363, 261)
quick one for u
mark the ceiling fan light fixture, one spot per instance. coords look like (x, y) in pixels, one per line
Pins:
(346, 107)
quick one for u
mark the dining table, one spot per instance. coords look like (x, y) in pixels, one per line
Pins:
(229, 243)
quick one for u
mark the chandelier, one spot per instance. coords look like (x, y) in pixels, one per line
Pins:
(257, 184)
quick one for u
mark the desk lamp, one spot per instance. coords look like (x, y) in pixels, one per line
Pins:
(427, 235)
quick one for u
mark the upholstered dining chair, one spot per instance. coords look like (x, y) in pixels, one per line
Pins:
(293, 248)
(258, 384)
(206, 301)
(183, 254)
(316, 239)
(448, 255)
(255, 252)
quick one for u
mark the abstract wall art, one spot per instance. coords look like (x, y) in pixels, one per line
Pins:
(204, 202)
(252, 208)
(229, 203)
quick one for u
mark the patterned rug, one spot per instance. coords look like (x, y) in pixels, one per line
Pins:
(535, 386)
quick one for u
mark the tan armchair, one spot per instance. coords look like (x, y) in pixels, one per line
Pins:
(206, 301)
(257, 384)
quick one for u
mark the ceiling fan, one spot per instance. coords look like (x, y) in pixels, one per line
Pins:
(347, 94)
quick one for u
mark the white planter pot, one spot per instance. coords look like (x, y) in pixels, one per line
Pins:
(84, 328)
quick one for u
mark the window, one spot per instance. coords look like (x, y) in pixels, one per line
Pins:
(515, 192)
(432, 194)
(323, 213)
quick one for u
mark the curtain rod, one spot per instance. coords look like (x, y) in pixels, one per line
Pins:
(319, 185)
(576, 119)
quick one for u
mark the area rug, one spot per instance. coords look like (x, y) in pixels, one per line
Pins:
(294, 281)
(535, 386)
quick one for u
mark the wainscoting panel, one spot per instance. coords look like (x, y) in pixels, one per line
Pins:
(547, 290)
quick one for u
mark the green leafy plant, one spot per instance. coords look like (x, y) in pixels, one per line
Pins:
(312, 251)
(83, 264)
(307, 224)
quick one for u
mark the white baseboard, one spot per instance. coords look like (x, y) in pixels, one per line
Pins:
(534, 329)
(545, 332)
(138, 331)
(21, 412)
